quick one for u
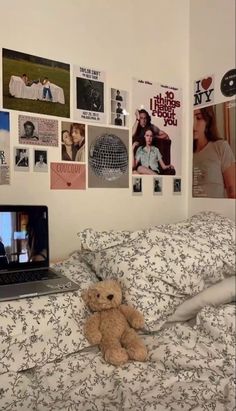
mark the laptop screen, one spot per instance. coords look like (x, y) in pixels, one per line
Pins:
(23, 237)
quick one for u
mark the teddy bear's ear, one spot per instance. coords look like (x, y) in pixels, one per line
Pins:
(84, 296)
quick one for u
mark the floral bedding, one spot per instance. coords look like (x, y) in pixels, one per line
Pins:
(47, 364)
(34, 331)
(189, 368)
(161, 267)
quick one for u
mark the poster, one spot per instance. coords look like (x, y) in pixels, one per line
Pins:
(214, 149)
(38, 131)
(73, 141)
(119, 107)
(159, 107)
(204, 91)
(4, 148)
(89, 95)
(68, 176)
(108, 157)
(35, 84)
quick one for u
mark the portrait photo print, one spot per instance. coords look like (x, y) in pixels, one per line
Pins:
(21, 156)
(40, 160)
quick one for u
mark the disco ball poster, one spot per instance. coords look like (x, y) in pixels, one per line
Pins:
(108, 157)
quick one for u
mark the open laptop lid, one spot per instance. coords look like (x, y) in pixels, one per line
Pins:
(24, 240)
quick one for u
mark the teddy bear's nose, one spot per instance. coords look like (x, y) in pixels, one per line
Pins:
(110, 297)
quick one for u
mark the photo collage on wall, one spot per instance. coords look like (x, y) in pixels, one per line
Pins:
(100, 153)
(214, 137)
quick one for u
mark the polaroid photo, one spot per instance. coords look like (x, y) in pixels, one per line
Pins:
(137, 186)
(21, 157)
(177, 186)
(40, 160)
(157, 185)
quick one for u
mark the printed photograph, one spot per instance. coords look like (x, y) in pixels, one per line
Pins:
(4, 148)
(72, 141)
(35, 84)
(156, 128)
(214, 149)
(21, 156)
(89, 94)
(157, 185)
(137, 185)
(108, 157)
(40, 131)
(119, 107)
(176, 185)
(40, 160)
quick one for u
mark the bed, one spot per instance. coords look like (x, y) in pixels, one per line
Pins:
(180, 276)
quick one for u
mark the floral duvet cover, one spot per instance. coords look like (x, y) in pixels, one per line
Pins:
(189, 368)
(46, 364)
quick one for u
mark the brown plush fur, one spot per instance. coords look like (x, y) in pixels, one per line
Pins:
(110, 325)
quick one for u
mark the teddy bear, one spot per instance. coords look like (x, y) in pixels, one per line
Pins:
(112, 325)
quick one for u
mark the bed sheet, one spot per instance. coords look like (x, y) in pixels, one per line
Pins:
(189, 368)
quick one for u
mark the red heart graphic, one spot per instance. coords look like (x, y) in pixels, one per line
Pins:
(206, 82)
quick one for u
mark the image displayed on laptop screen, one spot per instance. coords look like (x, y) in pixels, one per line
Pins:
(23, 238)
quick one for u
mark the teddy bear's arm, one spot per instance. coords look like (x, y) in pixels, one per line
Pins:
(133, 316)
(91, 329)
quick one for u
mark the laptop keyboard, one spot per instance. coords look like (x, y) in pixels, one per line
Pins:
(26, 276)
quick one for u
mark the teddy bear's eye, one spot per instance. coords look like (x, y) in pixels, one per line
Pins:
(98, 295)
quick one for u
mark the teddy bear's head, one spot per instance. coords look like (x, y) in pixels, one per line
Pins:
(103, 295)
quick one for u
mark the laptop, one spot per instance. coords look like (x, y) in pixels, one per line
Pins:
(24, 254)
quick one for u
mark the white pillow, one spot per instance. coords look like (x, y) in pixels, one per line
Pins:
(221, 293)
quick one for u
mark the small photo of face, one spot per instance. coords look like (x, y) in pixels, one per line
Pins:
(77, 132)
(143, 119)
(66, 138)
(29, 130)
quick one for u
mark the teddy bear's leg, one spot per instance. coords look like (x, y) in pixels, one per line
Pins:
(134, 345)
(113, 351)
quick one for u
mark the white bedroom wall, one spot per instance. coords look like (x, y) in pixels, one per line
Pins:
(126, 39)
(212, 51)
